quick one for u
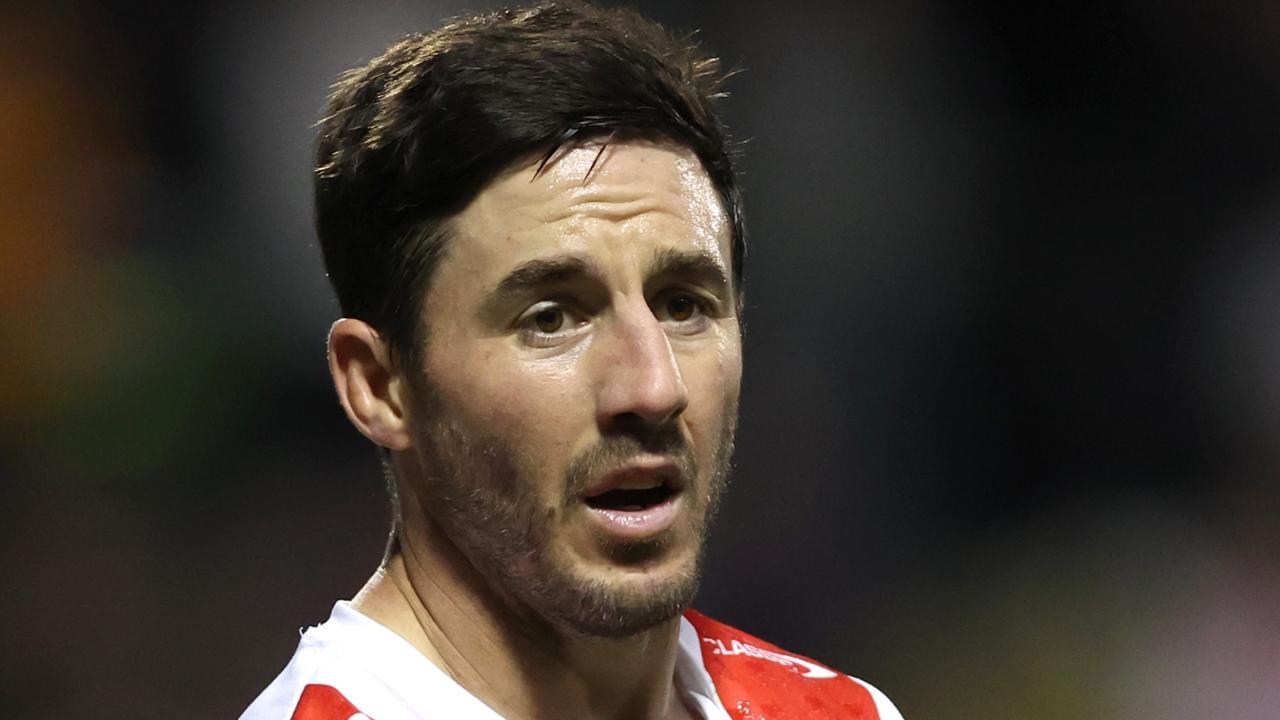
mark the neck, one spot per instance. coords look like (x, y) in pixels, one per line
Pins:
(521, 667)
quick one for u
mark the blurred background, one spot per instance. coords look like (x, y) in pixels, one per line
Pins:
(1009, 445)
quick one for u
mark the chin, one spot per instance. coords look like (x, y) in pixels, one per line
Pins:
(621, 600)
(609, 611)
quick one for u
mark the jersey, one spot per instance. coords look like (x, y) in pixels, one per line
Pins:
(352, 668)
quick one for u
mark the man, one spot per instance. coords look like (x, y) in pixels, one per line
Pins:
(533, 228)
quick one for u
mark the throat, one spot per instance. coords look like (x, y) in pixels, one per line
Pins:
(492, 656)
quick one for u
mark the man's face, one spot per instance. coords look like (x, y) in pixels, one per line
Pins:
(578, 396)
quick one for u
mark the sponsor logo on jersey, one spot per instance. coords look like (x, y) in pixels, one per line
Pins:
(799, 665)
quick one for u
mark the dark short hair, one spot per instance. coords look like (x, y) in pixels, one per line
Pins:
(410, 138)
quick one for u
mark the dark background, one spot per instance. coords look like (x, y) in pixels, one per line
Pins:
(1009, 436)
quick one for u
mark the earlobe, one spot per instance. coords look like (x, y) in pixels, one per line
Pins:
(371, 391)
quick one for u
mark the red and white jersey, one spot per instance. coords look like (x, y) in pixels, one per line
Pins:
(352, 668)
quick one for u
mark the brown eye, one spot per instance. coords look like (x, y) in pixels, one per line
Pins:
(681, 308)
(549, 320)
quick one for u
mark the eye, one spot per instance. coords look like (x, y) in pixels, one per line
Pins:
(549, 323)
(681, 307)
(549, 320)
(684, 312)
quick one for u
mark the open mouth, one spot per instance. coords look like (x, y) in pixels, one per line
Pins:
(636, 503)
(631, 499)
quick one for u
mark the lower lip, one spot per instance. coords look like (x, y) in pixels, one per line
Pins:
(638, 524)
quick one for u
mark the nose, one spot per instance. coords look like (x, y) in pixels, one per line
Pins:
(641, 380)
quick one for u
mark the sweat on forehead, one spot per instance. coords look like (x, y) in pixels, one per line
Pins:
(614, 189)
(595, 171)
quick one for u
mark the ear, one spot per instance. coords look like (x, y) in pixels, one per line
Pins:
(371, 391)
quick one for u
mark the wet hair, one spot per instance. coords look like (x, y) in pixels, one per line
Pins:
(409, 139)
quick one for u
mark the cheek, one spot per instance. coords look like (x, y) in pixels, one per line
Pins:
(526, 405)
(729, 363)
(714, 382)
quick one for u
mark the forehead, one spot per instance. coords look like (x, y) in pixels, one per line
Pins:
(628, 197)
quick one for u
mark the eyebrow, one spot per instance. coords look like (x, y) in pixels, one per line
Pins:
(536, 274)
(697, 267)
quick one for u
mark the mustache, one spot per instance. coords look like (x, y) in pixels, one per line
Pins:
(616, 451)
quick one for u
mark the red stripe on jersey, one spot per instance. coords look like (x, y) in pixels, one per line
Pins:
(759, 681)
(324, 702)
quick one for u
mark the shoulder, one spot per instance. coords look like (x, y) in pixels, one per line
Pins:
(315, 685)
(313, 701)
(753, 677)
(305, 689)
(352, 668)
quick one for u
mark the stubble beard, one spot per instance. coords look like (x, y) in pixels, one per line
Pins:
(479, 492)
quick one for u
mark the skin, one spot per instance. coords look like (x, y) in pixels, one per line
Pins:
(583, 321)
